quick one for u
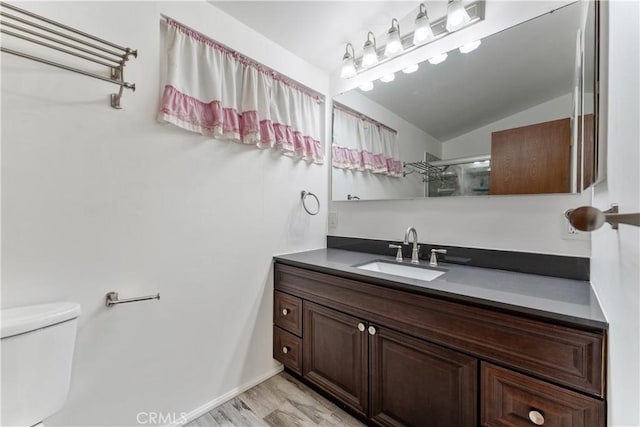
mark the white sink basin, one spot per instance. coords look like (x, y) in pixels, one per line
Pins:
(403, 270)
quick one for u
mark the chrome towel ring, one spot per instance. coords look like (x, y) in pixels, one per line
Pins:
(303, 196)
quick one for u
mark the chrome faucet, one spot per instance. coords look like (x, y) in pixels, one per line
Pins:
(416, 247)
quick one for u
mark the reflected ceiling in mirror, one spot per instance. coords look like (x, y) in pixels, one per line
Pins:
(506, 118)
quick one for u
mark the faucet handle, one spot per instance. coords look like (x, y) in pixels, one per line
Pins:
(398, 252)
(434, 258)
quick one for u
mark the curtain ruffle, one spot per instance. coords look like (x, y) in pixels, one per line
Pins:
(211, 119)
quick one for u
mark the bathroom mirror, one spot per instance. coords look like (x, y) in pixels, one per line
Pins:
(517, 115)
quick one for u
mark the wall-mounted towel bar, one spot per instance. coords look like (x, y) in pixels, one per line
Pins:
(112, 299)
(19, 23)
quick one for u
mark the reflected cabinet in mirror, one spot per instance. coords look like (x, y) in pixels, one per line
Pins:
(515, 115)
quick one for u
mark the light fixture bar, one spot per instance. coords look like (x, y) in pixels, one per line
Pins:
(475, 10)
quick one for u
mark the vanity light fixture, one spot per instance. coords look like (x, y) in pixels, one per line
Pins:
(438, 59)
(366, 86)
(411, 69)
(457, 16)
(369, 56)
(425, 31)
(394, 44)
(348, 69)
(470, 47)
(388, 78)
(422, 32)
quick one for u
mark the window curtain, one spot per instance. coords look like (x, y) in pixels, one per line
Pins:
(362, 144)
(217, 92)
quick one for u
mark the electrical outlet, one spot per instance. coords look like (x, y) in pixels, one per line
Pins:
(333, 219)
(569, 232)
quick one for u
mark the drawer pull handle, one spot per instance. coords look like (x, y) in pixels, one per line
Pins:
(361, 327)
(285, 311)
(536, 418)
(285, 349)
(372, 330)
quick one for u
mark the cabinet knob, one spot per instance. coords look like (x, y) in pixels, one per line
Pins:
(285, 349)
(285, 311)
(372, 330)
(536, 417)
(361, 327)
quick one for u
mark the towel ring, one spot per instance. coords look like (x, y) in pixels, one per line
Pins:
(303, 196)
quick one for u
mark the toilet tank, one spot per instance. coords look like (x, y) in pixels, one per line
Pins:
(37, 351)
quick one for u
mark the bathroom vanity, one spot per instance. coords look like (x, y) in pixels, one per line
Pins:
(472, 347)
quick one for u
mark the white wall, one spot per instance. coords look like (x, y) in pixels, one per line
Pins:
(478, 142)
(615, 269)
(97, 200)
(412, 142)
(520, 223)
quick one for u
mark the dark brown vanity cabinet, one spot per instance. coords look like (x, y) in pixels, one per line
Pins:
(399, 358)
(513, 399)
(416, 383)
(335, 355)
(412, 382)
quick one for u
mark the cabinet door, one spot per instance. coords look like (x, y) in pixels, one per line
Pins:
(417, 383)
(335, 354)
(510, 399)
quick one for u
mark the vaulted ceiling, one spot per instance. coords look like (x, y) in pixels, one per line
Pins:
(510, 72)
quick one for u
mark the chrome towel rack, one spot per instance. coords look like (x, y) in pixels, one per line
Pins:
(303, 196)
(112, 299)
(21, 24)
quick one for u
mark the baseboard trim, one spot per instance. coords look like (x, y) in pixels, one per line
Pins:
(203, 409)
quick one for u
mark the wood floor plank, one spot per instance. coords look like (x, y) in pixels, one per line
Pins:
(235, 413)
(303, 398)
(280, 401)
(288, 416)
(262, 399)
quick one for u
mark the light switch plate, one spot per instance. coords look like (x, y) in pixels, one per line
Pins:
(333, 219)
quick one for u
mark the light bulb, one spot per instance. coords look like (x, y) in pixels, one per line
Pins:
(438, 59)
(366, 86)
(388, 78)
(411, 69)
(422, 32)
(369, 55)
(470, 47)
(457, 16)
(394, 44)
(348, 68)
(348, 63)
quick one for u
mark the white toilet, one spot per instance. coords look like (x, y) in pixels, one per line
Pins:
(37, 351)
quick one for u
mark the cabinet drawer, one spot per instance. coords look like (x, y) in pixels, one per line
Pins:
(287, 349)
(287, 313)
(513, 399)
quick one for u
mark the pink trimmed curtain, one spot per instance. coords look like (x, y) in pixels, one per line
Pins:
(362, 144)
(217, 92)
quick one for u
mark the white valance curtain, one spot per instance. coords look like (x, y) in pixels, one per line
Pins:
(361, 143)
(217, 92)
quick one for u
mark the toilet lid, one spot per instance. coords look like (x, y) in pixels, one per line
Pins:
(19, 320)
